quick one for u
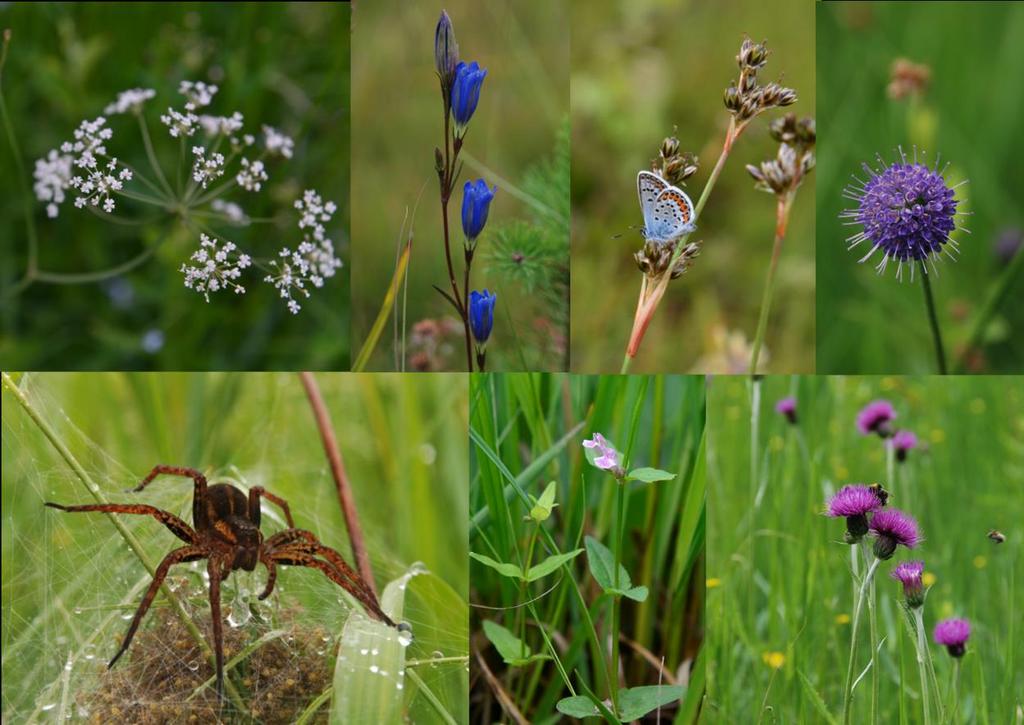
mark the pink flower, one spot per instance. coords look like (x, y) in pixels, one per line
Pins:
(608, 459)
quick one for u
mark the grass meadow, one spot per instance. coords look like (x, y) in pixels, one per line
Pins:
(780, 593)
(70, 582)
(536, 643)
(108, 293)
(643, 70)
(970, 118)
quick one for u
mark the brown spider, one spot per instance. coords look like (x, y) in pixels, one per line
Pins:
(227, 534)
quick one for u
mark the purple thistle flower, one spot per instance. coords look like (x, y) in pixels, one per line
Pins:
(787, 407)
(906, 210)
(953, 634)
(909, 574)
(891, 528)
(903, 441)
(603, 455)
(854, 503)
(876, 417)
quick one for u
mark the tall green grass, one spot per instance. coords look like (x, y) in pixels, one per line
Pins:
(526, 432)
(780, 592)
(69, 580)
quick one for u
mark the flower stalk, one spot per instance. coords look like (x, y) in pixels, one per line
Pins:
(933, 320)
(862, 593)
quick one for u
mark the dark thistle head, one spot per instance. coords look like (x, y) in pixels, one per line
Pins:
(906, 211)
(854, 503)
(953, 635)
(476, 202)
(892, 528)
(787, 407)
(876, 417)
(466, 94)
(909, 575)
(446, 53)
(903, 441)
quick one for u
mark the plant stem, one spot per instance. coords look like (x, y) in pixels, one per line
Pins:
(785, 203)
(148, 143)
(956, 690)
(848, 690)
(446, 189)
(922, 650)
(873, 630)
(933, 320)
(992, 304)
(755, 424)
(619, 524)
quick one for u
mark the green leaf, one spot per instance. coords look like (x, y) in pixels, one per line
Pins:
(579, 707)
(545, 504)
(649, 475)
(602, 564)
(550, 564)
(816, 700)
(509, 570)
(636, 702)
(512, 649)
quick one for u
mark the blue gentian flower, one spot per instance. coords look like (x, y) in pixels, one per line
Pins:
(481, 315)
(466, 93)
(476, 202)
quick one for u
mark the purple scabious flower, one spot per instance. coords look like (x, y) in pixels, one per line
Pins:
(905, 210)
(876, 417)
(891, 528)
(1007, 244)
(903, 441)
(787, 407)
(909, 574)
(602, 454)
(953, 634)
(854, 503)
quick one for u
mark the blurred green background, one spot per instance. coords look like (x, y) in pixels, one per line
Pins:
(397, 122)
(779, 584)
(970, 115)
(405, 450)
(282, 64)
(640, 69)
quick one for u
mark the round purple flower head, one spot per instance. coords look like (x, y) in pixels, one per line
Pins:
(905, 209)
(787, 407)
(903, 441)
(855, 503)
(603, 455)
(876, 417)
(909, 574)
(891, 528)
(953, 634)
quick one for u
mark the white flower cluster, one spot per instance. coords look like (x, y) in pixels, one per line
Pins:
(231, 211)
(252, 175)
(52, 178)
(221, 125)
(206, 168)
(314, 260)
(95, 183)
(130, 100)
(214, 268)
(277, 143)
(197, 95)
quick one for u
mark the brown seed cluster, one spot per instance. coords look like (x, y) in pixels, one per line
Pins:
(674, 166)
(654, 259)
(165, 665)
(744, 98)
(907, 78)
(795, 158)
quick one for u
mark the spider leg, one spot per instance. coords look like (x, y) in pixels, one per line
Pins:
(178, 527)
(305, 541)
(178, 556)
(213, 568)
(198, 496)
(254, 505)
(291, 557)
(271, 575)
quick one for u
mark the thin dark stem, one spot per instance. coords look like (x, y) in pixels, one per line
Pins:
(929, 301)
(348, 503)
(446, 188)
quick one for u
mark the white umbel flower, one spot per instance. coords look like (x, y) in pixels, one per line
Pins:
(206, 168)
(278, 143)
(215, 267)
(130, 101)
(52, 178)
(252, 175)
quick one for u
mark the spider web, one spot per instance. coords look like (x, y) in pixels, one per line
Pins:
(71, 584)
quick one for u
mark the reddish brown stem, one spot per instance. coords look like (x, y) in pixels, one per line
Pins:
(348, 503)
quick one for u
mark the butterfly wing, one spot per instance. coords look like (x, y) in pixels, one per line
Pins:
(648, 186)
(672, 215)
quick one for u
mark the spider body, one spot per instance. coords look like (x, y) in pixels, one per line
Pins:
(226, 532)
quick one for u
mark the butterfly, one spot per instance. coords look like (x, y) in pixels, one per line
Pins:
(668, 211)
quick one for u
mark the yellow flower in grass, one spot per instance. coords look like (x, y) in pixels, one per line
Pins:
(928, 579)
(842, 618)
(980, 562)
(713, 582)
(775, 660)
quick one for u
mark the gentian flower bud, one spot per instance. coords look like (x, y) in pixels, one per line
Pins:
(476, 202)
(481, 315)
(466, 93)
(446, 51)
